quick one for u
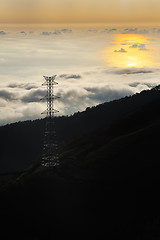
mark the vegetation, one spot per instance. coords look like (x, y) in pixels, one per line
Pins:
(106, 185)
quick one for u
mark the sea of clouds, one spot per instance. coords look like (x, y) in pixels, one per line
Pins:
(84, 78)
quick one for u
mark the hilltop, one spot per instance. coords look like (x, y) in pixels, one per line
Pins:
(106, 185)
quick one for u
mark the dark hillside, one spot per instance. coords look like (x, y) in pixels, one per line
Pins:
(107, 186)
(138, 132)
(21, 143)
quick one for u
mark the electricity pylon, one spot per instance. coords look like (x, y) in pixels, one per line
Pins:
(49, 157)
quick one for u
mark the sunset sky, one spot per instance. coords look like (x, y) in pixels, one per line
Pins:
(49, 11)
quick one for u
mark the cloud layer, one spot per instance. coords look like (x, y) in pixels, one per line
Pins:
(22, 101)
(77, 57)
(61, 32)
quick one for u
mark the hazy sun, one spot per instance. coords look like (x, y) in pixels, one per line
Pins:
(129, 50)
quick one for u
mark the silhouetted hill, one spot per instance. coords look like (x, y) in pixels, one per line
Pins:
(21, 143)
(106, 187)
(130, 138)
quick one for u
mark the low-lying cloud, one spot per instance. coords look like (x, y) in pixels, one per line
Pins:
(3, 33)
(143, 85)
(122, 50)
(7, 95)
(23, 86)
(108, 93)
(95, 94)
(57, 32)
(139, 46)
(46, 33)
(23, 32)
(109, 30)
(25, 104)
(66, 30)
(132, 71)
(33, 96)
(134, 30)
(69, 76)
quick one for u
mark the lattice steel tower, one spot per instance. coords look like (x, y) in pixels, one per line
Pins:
(49, 158)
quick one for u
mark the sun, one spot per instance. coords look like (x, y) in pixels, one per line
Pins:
(129, 50)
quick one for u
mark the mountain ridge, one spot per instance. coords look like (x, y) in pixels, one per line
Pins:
(28, 136)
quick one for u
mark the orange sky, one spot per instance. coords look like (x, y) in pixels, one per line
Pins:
(51, 11)
(130, 50)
